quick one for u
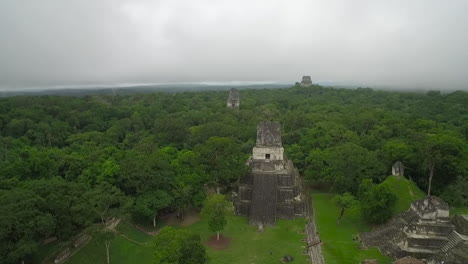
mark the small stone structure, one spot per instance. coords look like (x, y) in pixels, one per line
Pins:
(398, 169)
(234, 99)
(306, 81)
(81, 240)
(62, 256)
(424, 231)
(408, 260)
(273, 188)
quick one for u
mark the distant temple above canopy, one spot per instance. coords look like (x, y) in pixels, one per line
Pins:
(234, 99)
(306, 81)
(398, 169)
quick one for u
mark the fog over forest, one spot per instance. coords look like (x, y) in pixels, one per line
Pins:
(420, 44)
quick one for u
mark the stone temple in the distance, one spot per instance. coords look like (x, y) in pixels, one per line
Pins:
(273, 188)
(306, 81)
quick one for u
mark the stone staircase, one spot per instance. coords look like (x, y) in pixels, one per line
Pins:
(453, 240)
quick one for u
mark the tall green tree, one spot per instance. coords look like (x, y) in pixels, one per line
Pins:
(215, 210)
(377, 202)
(441, 151)
(23, 224)
(344, 201)
(150, 203)
(110, 204)
(178, 246)
(223, 159)
(344, 166)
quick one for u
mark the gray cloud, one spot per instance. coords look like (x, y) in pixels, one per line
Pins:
(418, 43)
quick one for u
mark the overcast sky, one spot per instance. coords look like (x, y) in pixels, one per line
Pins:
(401, 43)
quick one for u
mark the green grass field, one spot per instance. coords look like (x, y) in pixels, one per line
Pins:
(406, 192)
(458, 210)
(338, 245)
(122, 250)
(247, 245)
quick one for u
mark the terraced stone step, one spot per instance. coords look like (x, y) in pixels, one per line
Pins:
(453, 240)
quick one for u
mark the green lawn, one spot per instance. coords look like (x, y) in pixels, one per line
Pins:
(251, 247)
(338, 244)
(458, 210)
(122, 250)
(247, 245)
(406, 192)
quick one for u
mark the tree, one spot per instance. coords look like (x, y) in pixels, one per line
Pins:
(106, 235)
(441, 150)
(344, 201)
(23, 223)
(223, 159)
(455, 194)
(215, 210)
(189, 181)
(65, 202)
(344, 166)
(150, 203)
(109, 203)
(178, 246)
(376, 201)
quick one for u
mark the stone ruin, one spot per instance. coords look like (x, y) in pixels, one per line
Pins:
(408, 260)
(424, 231)
(398, 169)
(273, 188)
(306, 81)
(81, 240)
(234, 99)
(62, 256)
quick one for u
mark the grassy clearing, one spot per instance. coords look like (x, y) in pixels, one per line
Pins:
(338, 244)
(458, 210)
(406, 192)
(247, 245)
(122, 250)
(251, 247)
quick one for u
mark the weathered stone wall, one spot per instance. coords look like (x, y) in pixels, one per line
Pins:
(285, 180)
(426, 241)
(242, 208)
(269, 134)
(245, 192)
(62, 256)
(285, 210)
(284, 195)
(431, 208)
(429, 228)
(261, 165)
(276, 153)
(461, 224)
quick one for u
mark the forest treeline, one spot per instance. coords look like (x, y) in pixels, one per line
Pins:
(67, 162)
